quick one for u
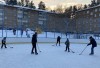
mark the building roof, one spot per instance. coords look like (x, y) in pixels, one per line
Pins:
(22, 7)
(88, 8)
(2, 2)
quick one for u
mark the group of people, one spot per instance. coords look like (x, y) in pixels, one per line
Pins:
(67, 43)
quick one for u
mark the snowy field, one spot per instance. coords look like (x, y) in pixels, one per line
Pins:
(50, 56)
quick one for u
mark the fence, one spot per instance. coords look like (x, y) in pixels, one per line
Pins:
(29, 33)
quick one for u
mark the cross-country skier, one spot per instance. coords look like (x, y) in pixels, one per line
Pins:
(93, 43)
(58, 40)
(67, 43)
(3, 42)
(34, 41)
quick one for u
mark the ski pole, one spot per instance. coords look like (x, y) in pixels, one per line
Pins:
(83, 50)
(38, 48)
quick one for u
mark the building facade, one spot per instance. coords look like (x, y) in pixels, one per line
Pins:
(17, 17)
(88, 20)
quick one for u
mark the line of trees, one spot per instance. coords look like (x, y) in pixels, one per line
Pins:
(26, 3)
(69, 11)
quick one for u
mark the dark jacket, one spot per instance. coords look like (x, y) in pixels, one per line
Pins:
(58, 38)
(4, 40)
(93, 42)
(34, 38)
(67, 42)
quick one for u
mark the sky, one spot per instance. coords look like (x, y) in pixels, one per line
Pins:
(54, 3)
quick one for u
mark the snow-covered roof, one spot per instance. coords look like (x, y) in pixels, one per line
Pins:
(88, 8)
(22, 7)
(2, 2)
(17, 6)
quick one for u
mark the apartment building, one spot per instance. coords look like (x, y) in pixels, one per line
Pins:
(19, 17)
(88, 20)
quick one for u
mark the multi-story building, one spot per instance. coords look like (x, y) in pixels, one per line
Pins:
(19, 17)
(88, 20)
(98, 1)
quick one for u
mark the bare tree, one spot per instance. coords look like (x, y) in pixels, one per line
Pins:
(48, 8)
(79, 7)
(68, 11)
(59, 9)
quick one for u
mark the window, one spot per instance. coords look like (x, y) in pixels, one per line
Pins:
(40, 13)
(87, 12)
(1, 18)
(96, 10)
(1, 22)
(95, 20)
(40, 22)
(19, 20)
(1, 13)
(1, 10)
(24, 21)
(91, 13)
(20, 11)
(95, 15)
(19, 16)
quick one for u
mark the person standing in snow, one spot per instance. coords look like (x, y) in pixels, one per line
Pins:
(14, 31)
(4, 42)
(34, 41)
(21, 32)
(93, 43)
(58, 40)
(67, 43)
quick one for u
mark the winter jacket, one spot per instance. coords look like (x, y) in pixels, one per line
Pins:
(93, 42)
(58, 38)
(4, 40)
(67, 43)
(34, 38)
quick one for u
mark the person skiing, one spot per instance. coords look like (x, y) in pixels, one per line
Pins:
(34, 41)
(93, 43)
(4, 42)
(67, 43)
(58, 40)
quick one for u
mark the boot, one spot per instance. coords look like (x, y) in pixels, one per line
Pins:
(36, 53)
(65, 50)
(91, 54)
(32, 52)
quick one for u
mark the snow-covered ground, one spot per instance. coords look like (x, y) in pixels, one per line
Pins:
(9, 33)
(51, 56)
